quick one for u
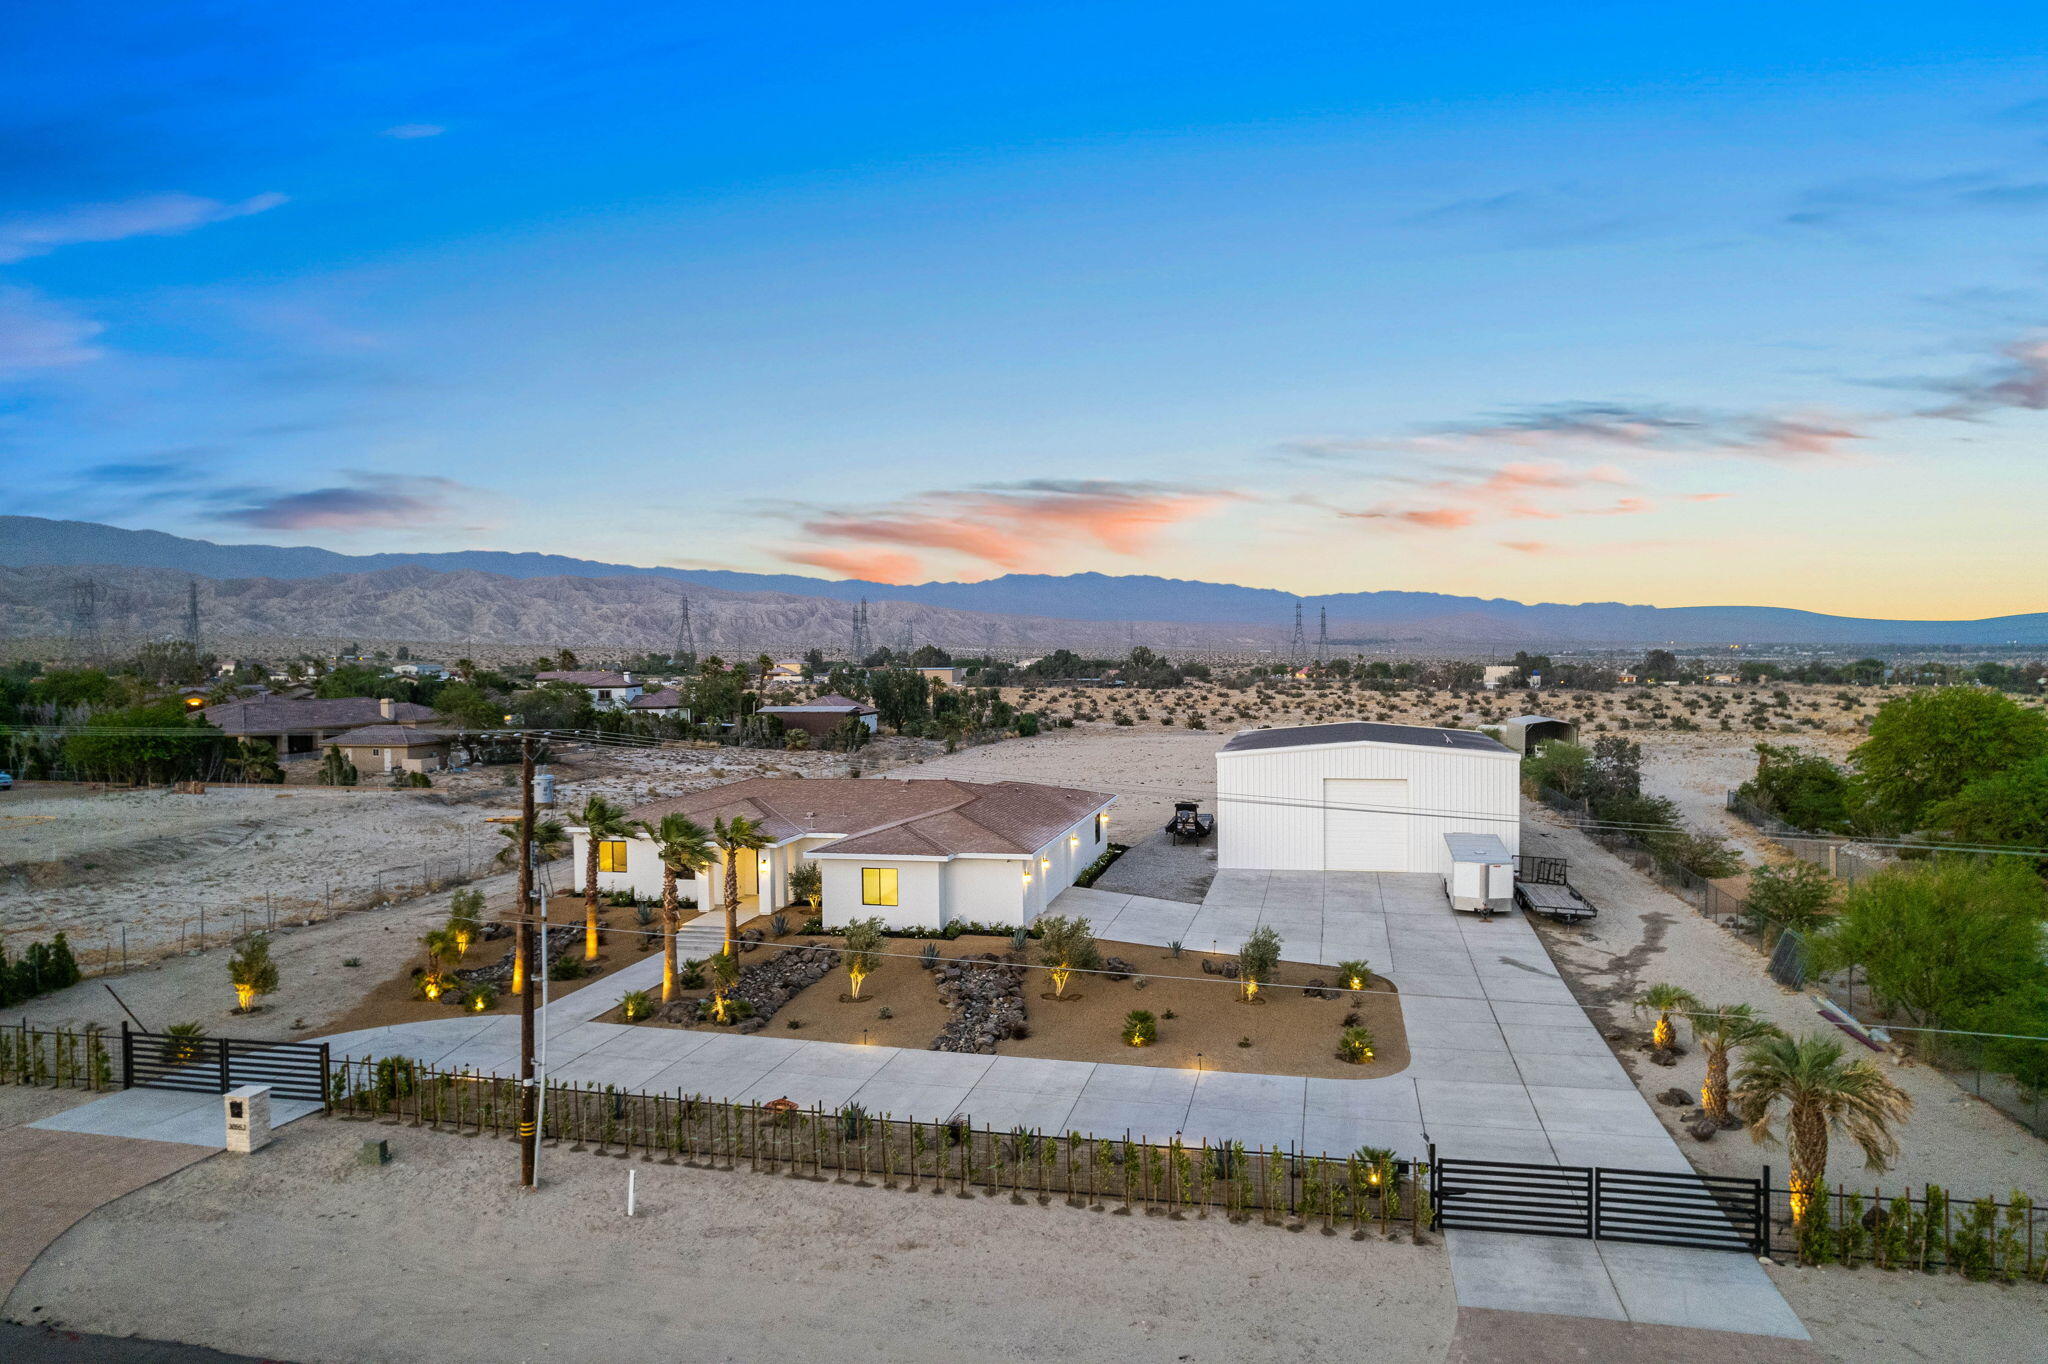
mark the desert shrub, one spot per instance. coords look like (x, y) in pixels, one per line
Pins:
(569, 967)
(863, 951)
(779, 925)
(928, 956)
(1355, 1045)
(1795, 896)
(479, 998)
(1065, 946)
(636, 1005)
(252, 972)
(1356, 975)
(1140, 1028)
(690, 975)
(1257, 959)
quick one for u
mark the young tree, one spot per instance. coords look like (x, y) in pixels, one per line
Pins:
(862, 953)
(1565, 768)
(602, 822)
(1803, 789)
(1925, 747)
(685, 849)
(736, 837)
(1720, 1030)
(1820, 1093)
(252, 972)
(1257, 959)
(335, 769)
(1936, 938)
(1065, 946)
(1664, 1000)
(1795, 897)
(807, 883)
(466, 918)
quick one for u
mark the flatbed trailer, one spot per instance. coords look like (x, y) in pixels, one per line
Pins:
(1542, 886)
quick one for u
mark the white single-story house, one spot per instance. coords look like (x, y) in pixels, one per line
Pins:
(1359, 796)
(415, 668)
(394, 748)
(1494, 674)
(608, 690)
(918, 853)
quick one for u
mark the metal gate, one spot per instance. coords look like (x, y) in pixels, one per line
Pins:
(1500, 1195)
(1652, 1207)
(1657, 1207)
(215, 1065)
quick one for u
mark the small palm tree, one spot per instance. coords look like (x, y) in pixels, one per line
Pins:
(444, 950)
(602, 821)
(1820, 1093)
(736, 836)
(725, 973)
(1664, 1000)
(550, 841)
(1720, 1031)
(683, 846)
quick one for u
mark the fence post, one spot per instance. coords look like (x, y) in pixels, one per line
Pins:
(127, 1056)
(226, 1075)
(326, 1085)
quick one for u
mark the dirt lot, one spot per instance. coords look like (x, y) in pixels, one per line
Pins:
(439, 1256)
(1200, 1020)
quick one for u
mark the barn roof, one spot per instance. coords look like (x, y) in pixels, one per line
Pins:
(1364, 732)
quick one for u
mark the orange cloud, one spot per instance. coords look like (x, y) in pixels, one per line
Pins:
(874, 566)
(1014, 527)
(1529, 546)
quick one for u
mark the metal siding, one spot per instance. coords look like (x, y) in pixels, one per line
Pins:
(1363, 829)
(1269, 802)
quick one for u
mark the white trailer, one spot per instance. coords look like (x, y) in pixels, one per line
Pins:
(1481, 877)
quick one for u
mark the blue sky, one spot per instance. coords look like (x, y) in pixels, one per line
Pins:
(1681, 304)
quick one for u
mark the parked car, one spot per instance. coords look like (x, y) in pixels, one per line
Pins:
(6, 781)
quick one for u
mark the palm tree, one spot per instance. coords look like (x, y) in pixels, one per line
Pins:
(1821, 1093)
(1719, 1031)
(683, 846)
(602, 821)
(465, 669)
(550, 841)
(1664, 1001)
(735, 836)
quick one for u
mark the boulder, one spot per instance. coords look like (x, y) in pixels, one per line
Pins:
(1703, 1130)
(1674, 1098)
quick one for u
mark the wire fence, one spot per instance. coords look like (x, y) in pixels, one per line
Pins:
(1358, 1193)
(114, 949)
(1845, 862)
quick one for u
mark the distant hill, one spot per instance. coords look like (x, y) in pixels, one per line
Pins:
(1264, 614)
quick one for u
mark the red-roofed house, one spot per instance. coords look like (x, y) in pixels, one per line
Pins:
(919, 853)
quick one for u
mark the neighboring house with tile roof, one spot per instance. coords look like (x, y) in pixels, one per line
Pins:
(608, 690)
(666, 702)
(919, 853)
(820, 717)
(394, 748)
(304, 728)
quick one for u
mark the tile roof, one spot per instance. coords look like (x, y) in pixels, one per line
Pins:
(1364, 731)
(879, 817)
(275, 715)
(587, 677)
(668, 698)
(390, 736)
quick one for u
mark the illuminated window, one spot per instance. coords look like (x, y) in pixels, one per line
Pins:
(611, 854)
(878, 885)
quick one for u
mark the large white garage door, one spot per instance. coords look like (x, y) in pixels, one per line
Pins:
(1363, 829)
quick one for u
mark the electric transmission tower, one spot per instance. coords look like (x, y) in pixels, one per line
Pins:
(192, 640)
(84, 621)
(1322, 635)
(686, 641)
(861, 645)
(1297, 647)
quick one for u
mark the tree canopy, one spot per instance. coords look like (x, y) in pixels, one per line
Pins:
(1926, 747)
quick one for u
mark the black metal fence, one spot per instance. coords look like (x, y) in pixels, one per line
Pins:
(1358, 1193)
(215, 1065)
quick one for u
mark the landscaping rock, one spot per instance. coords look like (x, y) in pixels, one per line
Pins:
(984, 996)
(1663, 1058)
(1208, 967)
(1674, 1098)
(1703, 1131)
(1116, 968)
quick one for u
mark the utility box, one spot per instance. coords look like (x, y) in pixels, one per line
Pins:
(544, 788)
(248, 1118)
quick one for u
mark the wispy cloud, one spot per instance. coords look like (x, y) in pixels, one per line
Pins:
(36, 334)
(1850, 201)
(1015, 527)
(1609, 430)
(155, 215)
(407, 132)
(368, 501)
(2017, 379)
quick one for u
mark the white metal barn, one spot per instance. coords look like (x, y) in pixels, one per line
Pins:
(1358, 796)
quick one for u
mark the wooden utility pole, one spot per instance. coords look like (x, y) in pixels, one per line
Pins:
(529, 1095)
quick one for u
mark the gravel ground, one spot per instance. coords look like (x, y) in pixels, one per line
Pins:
(1644, 935)
(1162, 869)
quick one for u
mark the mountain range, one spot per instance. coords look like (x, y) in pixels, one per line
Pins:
(449, 593)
